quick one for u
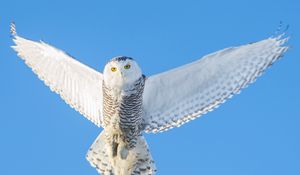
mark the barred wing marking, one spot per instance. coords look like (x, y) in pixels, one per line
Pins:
(78, 85)
(177, 96)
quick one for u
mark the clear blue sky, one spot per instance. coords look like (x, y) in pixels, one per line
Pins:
(255, 133)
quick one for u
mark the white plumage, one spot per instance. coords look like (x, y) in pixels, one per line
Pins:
(177, 96)
(124, 103)
(79, 85)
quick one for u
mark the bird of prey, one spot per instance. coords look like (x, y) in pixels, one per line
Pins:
(126, 103)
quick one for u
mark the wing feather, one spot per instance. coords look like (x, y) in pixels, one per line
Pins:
(177, 96)
(78, 85)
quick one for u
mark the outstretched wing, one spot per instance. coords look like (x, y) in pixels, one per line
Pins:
(79, 85)
(177, 96)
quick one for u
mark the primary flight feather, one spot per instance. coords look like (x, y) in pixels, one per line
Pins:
(125, 102)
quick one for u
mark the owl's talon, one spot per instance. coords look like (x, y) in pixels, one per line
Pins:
(123, 152)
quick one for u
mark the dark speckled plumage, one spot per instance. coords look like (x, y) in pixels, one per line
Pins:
(121, 58)
(128, 110)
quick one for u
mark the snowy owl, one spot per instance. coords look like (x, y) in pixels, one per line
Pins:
(126, 103)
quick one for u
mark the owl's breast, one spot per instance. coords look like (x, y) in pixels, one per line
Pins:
(123, 108)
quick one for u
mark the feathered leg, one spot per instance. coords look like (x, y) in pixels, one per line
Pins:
(136, 161)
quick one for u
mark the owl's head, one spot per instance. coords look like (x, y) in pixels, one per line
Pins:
(121, 72)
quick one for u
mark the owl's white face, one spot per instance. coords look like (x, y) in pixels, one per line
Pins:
(121, 73)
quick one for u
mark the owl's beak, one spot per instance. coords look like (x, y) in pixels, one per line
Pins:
(122, 75)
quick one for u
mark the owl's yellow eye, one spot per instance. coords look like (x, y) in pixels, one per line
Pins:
(113, 69)
(127, 66)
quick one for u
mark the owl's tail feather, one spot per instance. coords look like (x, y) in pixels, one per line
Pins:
(138, 162)
(98, 156)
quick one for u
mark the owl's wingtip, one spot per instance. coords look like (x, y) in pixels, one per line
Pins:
(13, 31)
(281, 31)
